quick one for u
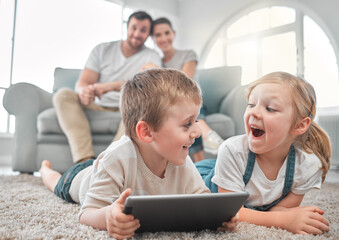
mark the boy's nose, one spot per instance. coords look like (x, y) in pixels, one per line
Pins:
(196, 131)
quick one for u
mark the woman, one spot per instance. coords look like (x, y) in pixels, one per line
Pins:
(186, 61)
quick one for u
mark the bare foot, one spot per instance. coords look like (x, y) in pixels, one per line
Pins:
(45, 164)
(49, 176)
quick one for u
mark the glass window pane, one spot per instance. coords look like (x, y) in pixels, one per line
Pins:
(215, 56)
(322, 74)
(244, 55)
(279, 53)
(6, 32)
(126, 13)
(281, 16)
(238, 28)
(259, 20)
(69, 31)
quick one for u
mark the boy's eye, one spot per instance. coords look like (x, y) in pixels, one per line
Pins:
(187, 125)
(251, 105)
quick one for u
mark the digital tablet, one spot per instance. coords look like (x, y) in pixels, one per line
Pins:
(184, 212)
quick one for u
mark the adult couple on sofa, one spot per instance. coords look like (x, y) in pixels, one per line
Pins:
(39, 135)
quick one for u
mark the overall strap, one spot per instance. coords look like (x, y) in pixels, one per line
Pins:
(287, 184)
(249, 167)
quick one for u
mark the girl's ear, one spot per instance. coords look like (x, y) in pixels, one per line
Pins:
(144, 132)
(302, 126)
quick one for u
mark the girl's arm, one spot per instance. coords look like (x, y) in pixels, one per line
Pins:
(290, 201)
(189, 68)
(303, 220)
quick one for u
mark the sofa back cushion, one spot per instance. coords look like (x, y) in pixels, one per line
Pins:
(216, 83)
(65, 78)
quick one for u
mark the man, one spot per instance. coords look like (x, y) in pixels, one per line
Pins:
(108, 67)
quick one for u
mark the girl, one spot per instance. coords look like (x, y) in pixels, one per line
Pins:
(186, 61)
(283, 155)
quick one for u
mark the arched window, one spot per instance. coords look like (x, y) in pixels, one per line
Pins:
(277, 38)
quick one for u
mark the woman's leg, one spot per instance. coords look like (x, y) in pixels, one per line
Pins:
(49, 176)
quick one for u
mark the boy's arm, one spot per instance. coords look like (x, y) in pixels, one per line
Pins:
(112, 218)
(303, 220)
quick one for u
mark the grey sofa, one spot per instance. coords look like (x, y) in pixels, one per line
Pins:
(38, 135)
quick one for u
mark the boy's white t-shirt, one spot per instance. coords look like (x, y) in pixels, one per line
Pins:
(108, 60)
(120, 167)
(231, 165)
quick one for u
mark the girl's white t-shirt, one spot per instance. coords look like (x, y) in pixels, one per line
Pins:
(231, 165)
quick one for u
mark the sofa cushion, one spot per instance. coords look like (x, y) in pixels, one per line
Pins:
(100, 122)
(216, 83)
(222, 124)
(65, 78)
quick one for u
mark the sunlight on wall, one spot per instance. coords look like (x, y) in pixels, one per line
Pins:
(321, 66)
(60, 35)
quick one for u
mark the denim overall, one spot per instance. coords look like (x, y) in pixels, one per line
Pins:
(206, 170)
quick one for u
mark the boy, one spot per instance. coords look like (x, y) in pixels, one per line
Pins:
(159, 109)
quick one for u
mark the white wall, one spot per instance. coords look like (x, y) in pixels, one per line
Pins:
(200, 19)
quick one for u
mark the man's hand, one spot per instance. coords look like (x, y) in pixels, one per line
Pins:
(120, 225)
(148, 65)
(86, 94)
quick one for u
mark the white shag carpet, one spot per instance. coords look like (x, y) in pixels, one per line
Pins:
(28, 210)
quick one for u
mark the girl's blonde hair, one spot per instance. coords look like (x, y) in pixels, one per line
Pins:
(314, 140)
(150, 93)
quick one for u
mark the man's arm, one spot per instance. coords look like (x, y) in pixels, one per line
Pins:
(84, 86)
(88, 86)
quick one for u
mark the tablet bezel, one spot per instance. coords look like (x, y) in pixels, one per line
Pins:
(184, 212)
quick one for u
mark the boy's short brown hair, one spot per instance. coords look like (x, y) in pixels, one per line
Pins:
(149, 94)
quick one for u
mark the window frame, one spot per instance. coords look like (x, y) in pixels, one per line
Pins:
(301, 10)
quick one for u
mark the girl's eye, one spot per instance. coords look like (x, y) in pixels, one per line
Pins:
(270, 109)
(250, 105)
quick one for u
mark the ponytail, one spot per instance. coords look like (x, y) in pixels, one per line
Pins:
(318, 142)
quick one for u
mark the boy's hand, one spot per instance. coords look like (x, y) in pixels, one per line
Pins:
(231, 225)
(120, 225)
(306, 220)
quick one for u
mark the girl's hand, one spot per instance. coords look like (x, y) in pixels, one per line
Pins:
(120, 225)
(306, 220)
(231, 225)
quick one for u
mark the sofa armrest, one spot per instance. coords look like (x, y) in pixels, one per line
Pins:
(26, 98)
(25, 101)
(234, 106)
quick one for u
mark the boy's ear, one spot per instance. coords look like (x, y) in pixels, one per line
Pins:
(144, 132)
(302, 126)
